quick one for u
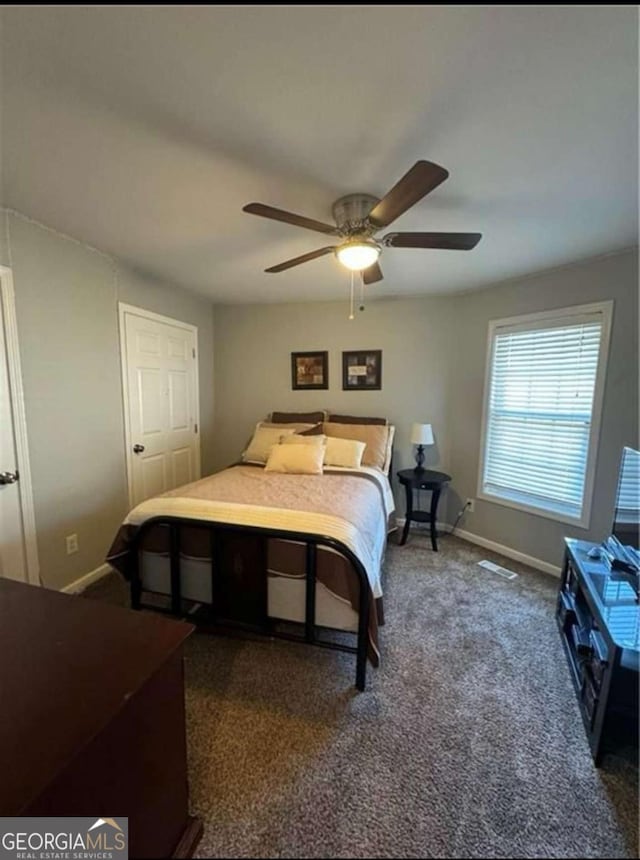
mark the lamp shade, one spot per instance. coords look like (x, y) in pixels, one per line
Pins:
(421, 434)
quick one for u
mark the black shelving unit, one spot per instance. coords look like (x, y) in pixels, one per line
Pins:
(599, 621)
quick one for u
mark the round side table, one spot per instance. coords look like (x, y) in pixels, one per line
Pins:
(422, 479)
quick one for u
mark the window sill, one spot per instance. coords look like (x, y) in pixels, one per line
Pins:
(581, 522)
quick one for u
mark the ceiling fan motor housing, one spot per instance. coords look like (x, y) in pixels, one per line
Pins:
(351, 211)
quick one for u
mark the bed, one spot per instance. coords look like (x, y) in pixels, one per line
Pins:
(267, 552)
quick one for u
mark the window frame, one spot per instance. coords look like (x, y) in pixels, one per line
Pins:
(606, 310)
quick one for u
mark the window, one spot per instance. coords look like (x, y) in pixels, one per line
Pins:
(543, 394)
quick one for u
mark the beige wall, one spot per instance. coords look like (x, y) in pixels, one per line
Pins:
(253, 346)
(67, 308)
(433, 371)
(614, 277)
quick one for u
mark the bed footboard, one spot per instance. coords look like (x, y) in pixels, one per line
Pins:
(220, 535)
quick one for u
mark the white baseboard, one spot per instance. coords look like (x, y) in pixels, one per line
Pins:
(425, 528)
(79, 585)
(501, 549)
(515, 554)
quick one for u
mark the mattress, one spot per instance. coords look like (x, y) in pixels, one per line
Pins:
(286, 599)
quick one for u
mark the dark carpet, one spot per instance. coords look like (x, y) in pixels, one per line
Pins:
(467, 743)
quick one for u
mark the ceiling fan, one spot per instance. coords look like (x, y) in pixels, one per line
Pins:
(359, 217)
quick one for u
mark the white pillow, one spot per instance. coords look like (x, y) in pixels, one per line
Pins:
(343, 452)
(296, 459)
(263, 440)
(319, 440)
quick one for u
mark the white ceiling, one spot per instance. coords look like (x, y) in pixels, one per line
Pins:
(144, 130)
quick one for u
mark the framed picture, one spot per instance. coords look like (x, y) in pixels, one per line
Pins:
(309, 370)
(362, 370)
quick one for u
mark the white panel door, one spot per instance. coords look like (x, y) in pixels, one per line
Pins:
(13, 563)
(161, 398)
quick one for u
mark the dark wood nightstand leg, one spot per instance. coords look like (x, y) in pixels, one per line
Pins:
(435, 495)
(407, 517)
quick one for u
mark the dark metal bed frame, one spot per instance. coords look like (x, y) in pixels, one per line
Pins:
(266, 627)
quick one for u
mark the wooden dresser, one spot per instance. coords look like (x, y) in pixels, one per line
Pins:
(92, 719)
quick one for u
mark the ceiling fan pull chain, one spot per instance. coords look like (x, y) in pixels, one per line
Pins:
(361, 291)
(351, 303)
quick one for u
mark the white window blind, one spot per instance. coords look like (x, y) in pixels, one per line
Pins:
(539, 412)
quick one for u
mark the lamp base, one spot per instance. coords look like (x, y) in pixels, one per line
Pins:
(419, 459)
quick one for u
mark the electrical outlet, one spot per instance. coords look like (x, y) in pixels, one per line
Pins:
(72, 544)
(471, 505)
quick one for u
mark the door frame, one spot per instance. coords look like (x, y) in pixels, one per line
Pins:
(123, 309)
(18, 412)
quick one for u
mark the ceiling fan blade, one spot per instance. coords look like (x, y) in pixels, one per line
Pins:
(448, 241)
(423, 177)
(289, 218)
(373, 274)
(296, 261)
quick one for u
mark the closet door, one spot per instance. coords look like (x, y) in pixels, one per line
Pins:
(161, 403)
(13, 564)
(18, 547)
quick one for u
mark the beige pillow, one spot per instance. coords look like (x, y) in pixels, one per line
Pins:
(343, 452)
(375, 437)
(296, 459)
(296, 439)
(263, 440)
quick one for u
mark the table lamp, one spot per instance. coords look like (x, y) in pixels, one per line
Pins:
(421, 435)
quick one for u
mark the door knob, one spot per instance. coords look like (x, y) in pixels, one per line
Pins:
(138, 449)
(8, 477)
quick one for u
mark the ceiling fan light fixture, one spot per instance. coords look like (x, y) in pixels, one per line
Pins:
(358, 254)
